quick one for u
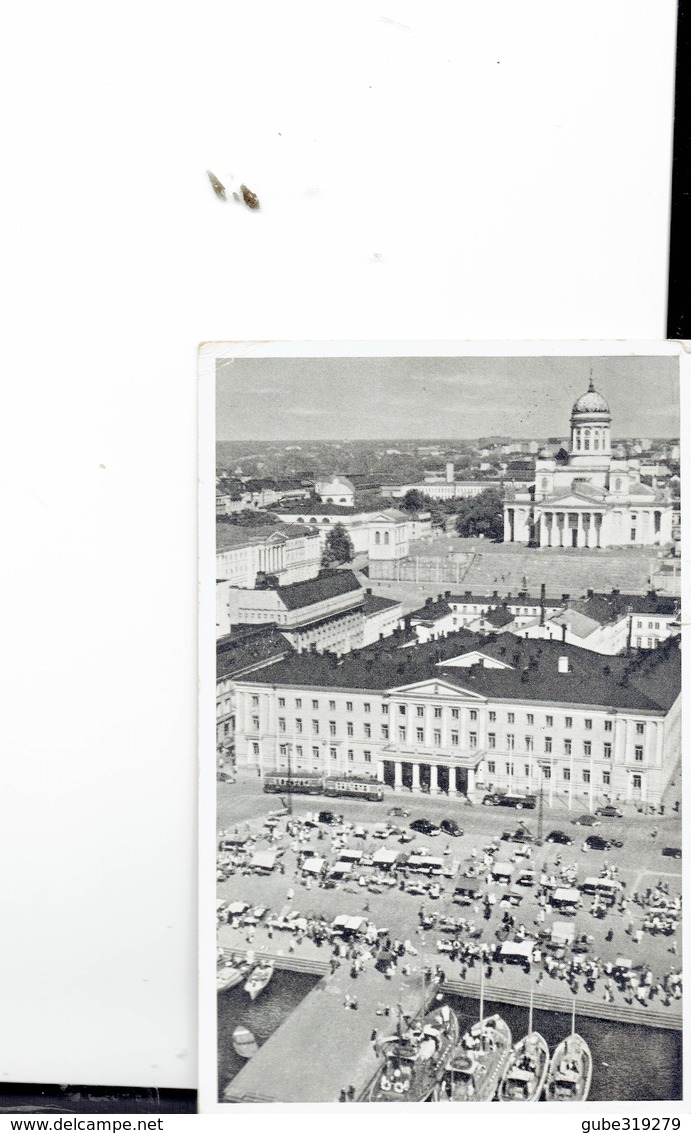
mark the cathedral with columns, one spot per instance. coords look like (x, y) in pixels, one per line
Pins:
(590, 499)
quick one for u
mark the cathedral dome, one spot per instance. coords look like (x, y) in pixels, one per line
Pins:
(591, 402)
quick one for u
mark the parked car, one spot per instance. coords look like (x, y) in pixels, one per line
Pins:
(518, 802)
(559, 838)
(424, 826)
(671, 852)
(406, 836)
(450, 827)
(610, 811)
(327, 817)
(596, 842)
(518, 835)
(398, 812)
(585, 820)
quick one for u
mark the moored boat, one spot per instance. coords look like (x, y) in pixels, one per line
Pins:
(523, 1079)
(478, 1062)
(259, 978)
(228, 976)
(244, 1042)
(416, 1058)
(570, 1071)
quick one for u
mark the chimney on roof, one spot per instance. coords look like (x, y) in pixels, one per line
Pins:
(563, 631)
(368, 590)
(468, 595)
(563, 665)
(565, 597)
(542, 604)
(495, 593)
(615, 591)
(590, 593)
(447, 594)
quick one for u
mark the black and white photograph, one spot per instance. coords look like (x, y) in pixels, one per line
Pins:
(442, 790)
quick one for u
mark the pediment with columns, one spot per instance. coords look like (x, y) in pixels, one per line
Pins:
(572, 499)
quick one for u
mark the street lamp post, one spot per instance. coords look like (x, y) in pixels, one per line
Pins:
(540, 804)
(289, 801)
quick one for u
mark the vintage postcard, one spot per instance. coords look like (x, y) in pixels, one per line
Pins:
(441, 689)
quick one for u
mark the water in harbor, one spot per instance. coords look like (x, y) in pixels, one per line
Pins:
(630, 1063)
(261, 1016)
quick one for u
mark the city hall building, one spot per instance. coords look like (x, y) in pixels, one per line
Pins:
(470, 713)
(591, 499)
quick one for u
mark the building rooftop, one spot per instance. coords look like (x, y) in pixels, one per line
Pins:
(311, 507)
(645, 682)
(247, 648)
(327, 584)
(375, 603)
(230, 536)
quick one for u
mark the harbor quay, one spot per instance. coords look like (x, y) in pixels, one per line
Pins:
(326, 1045)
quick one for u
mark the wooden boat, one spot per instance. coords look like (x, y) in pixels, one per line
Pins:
(571, 1069)
(259, 978)
(228, 976)
(524, 1078)
(416, 1058)
(244, 1042)
(479, 1060)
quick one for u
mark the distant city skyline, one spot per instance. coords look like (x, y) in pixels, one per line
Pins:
(382, 399)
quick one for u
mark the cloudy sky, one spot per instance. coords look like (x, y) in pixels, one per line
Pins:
(351, 398)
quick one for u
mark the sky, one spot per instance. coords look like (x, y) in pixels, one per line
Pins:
(398, 398)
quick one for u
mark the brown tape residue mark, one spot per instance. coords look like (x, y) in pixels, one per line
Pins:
(250, 198)
(218, 188)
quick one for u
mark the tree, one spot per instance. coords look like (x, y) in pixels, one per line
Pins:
(438, 513)
(414, 500)
(482, 515)
(338, 548)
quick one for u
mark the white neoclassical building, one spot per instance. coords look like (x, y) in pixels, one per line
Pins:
(592, 499)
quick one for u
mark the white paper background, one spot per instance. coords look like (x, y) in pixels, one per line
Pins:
(447, 170)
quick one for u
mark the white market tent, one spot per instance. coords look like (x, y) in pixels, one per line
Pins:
(566, 897)
(348, 924)
(502, 869)
(350, 855)
(236, 908)
(312, 865)
(425, 861)
(518, 949)
(385, 857)
(340, 868)
(265, 859)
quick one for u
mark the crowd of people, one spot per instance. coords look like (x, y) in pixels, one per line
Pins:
(498, 912)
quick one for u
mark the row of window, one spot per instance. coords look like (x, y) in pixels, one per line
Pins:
(547, 773)
(510, 739)
(437, 711)
(316, 753)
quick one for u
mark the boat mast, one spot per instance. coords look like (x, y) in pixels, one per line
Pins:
(482, 989)
(573, 1017)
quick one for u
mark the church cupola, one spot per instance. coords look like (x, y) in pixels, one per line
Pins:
(590, 425)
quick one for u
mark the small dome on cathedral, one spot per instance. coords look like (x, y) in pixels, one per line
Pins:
(591, 402)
